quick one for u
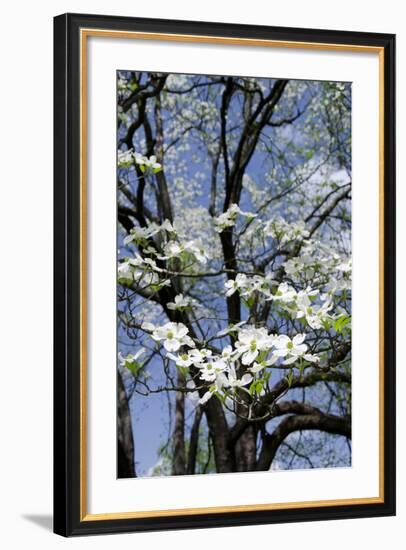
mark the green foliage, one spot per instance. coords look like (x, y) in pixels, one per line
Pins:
(341, 323)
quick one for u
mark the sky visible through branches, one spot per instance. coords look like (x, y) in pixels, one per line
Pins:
(234, 273)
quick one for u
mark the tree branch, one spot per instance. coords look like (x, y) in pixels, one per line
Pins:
(316, 421)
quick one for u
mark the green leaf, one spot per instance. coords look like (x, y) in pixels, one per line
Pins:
(133, 367)
(326, 324)
(266, 376)
(340, 323)
(289, 378)
(262, 356)
(249, 302)
(259, 386)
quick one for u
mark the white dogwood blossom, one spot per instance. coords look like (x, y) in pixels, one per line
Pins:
(183, 360)
(142, 272)
(285, 293)
(126, 159)
(251, 341)
(125, 273)
(230, 329)
(198, 356)
(140, 234)
(345, 266)
(234, 284)
(319, 263)
(175, 249)
(150, 162)
(235, 382)
(315, 315)
(174, 335)
(335, 286)
(247, 285)
(122, 83)
(284, 232)
(211, 369)
(293, 349)
(228, 352)
(180, 302)
(255, 350)
(233, 312)
(229, 217)
(131, 358)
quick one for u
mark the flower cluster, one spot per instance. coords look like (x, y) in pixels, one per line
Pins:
(122, 84)
(166, 247)
(125, 159)
(229, 217)
(234, 367)
(246, 285)
(315, 315)
(180, 303)
(299, 304)
(284, 232)
(141, 271)
(317, 262)
(176, 249)
(173, 336)
(130, 359)
(139, 235)
(302, 305)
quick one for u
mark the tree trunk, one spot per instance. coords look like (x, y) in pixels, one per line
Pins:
(125, 441)
(219, 432)
(194, 442)
(246, 450)
(179, 458)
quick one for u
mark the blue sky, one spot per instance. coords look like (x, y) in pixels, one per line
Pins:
(150, 414)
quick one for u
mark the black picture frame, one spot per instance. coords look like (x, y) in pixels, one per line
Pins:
(68, 520)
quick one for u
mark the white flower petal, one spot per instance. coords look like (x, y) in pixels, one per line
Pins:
(148, 326)
(311, 358)
(298, 339)
(300, 349)
(187, 341)
(249, 357)
(290, 360)
(272, 360)
(172, 345)
(181, 330)
(246, 379)
(282, 341)
(205, 398)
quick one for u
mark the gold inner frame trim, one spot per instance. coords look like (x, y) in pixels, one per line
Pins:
(84, 34)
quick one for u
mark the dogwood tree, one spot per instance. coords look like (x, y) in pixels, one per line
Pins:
(234, 270)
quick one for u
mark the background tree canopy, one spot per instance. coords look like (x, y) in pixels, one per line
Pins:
(234, 274)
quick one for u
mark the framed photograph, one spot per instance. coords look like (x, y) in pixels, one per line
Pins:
(224, 274)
